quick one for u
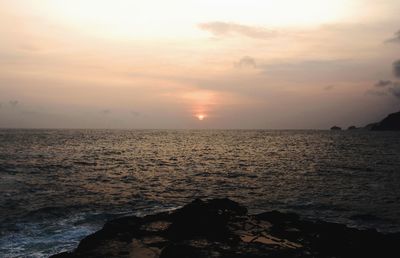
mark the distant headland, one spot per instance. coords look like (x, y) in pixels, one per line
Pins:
(390, 123)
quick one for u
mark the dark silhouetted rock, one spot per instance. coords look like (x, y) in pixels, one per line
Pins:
(222, 228)
(352, 128)
(390, 123)
(336, 128)
(365, 217)
(369, 126)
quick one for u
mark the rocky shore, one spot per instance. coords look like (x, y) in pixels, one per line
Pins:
(223, 228)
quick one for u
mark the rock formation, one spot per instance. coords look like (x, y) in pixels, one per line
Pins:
(222, 228)
(390, 123)
(336, 128)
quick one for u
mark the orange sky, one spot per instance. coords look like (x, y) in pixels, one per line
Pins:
(162, 64)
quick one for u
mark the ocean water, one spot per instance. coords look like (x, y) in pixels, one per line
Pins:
(57, 186)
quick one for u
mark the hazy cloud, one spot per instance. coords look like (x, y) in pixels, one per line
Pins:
(229, 29)
(135, 113)
(395, 39)
(13, 103)
(314, 65)
(396, 68)
(383, 83)
(106, 111)
(395, 90)
(329, 71)
(29, 47)
(386, 88)
(378, 93)
(246, 62)
(329, 87)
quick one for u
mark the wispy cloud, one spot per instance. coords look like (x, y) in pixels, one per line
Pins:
(13, 103)
(326, 71)
(329, 87)
(231, 29)
(396, 68)
(317, 64)
(135, 113)
(395, 90)
(246, 62)
(395, 39)
(386, 87)
(378, 93)
(383, 83)
(105, 111)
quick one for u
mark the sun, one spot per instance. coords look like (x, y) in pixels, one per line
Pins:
(201, 117)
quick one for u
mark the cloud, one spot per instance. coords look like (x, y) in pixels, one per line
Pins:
(396, 68)
(311, 65)
(383, 83)
(386, 87)
(378, 93)
(395, 39)
(329, 87)
(395, 90)
(106, 111)
(246, 62)
(135, 113)
(228, 29)
(13, 103)
(323, 71)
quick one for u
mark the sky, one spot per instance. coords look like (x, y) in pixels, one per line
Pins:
(198, 64)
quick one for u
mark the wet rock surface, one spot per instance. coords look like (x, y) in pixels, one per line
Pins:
(222, 228)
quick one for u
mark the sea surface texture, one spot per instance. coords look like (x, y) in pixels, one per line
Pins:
(57, 186)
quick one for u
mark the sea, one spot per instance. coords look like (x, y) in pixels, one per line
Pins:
(58, 186)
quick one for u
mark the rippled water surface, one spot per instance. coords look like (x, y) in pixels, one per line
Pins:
(56, 186)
